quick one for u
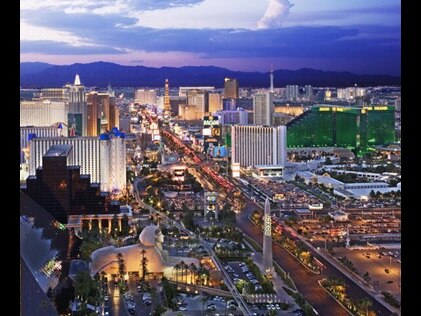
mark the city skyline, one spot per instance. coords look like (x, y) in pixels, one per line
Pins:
(360, 37)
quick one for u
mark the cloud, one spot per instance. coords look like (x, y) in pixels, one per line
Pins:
(30, 32)
(275, 14)
(62, 48)
(82, 6)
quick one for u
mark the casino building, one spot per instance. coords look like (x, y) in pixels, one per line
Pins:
(356, 128)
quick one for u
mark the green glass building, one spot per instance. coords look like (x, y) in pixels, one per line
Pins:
(357, 128)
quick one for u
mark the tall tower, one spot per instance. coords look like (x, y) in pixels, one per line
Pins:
(267, 242)
(230, 88)
(77, 109)
(271, 78)
(167, 105)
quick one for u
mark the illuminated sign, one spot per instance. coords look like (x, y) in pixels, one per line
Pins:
(207, 132)
(211, 140)
(209, 121)
(324, 109)
(381, 108)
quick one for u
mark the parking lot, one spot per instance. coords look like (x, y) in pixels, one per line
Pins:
(383, 268)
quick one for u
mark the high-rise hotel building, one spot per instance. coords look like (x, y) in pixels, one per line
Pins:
(58, 105)
(263, 108)
(231, 88)
(103, 157)
(258, 145)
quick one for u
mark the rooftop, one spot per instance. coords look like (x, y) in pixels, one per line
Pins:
(62, 150)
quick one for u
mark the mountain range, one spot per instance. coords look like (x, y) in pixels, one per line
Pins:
(41, 75)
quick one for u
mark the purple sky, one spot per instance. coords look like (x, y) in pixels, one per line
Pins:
(358, 36)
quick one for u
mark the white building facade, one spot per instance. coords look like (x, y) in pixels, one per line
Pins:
(42, 113)
(39, 131)
(143, 96)
(104, 157)
(258, 145)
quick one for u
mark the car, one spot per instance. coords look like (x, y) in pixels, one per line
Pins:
(106, 310)
(106, 298)
(182, 308)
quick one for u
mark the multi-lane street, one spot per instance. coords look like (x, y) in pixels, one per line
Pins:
(306, 282)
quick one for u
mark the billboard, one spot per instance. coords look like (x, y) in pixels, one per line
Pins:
(207, 132)
(219, 152)
(211, 132)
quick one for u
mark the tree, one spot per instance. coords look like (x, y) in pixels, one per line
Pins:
(125, 227)
(176, 268)
(144, 265)
(367, 277)
(85, 288)
(114, 226)
(121, 265)
(365, 305)
(193, 270)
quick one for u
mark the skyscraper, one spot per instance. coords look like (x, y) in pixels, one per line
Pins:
(230, 88)
(267, 241)
(77, 115)
(42, 113)
(215, 103)
(258, 145)
(167, 104)
(145, 96)
(308, 89)
(292, 92)
(102, 113)
(93, 111)
(263, 108)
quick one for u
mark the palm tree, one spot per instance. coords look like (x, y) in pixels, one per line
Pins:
(121, 265)
(182, 264)
(193, 270)
(365, 304)
(177, 268)
(144, 264)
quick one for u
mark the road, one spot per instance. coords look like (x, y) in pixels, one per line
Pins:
(305, 281)
(115, 301)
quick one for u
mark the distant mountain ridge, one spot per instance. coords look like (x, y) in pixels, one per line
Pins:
(101, 73)
(30, 68)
